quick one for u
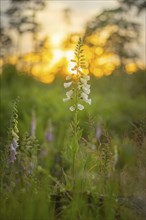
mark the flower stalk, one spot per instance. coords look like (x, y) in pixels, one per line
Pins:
(78, 94)
(13, 134)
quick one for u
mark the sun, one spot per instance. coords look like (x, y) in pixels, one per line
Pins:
(56, 40)
(69, 55)
(59, 54)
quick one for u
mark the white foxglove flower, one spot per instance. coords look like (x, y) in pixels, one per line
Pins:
(84, 95)
(69, 93)
(80, 107)
(66, 99)
(68, 84)
(89, 101)
(85, 90)
(80, 89)
(72, 108)
(87, 86)
(84, 81)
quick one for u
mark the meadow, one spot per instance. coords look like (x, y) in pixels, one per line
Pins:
(72, 110)
(107, 180)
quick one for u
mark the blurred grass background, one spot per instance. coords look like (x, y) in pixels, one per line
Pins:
(118, 100)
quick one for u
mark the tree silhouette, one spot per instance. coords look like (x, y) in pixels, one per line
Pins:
(6, 44)
(6, 41)
(22, 18)
(117, 33)
(139, 4)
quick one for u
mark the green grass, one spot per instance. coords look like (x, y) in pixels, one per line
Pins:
(99, 189)
(116, 101)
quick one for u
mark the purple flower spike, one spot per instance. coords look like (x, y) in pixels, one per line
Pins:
(33, 125)
(49, 135)
(98, 132)
(49, 132)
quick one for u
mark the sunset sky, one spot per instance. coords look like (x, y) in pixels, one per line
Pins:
(81, 11)
(57, 27)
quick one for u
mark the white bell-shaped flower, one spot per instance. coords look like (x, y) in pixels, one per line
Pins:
(80, 107)
(84, 96)
(84, 81)
(89, 101)
(67, 84)
(69, 93)
(85, 90)
(87, 86)
(72, 108)
(66, 99)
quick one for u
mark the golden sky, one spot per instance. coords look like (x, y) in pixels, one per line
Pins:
(54, 25)
(57, 28)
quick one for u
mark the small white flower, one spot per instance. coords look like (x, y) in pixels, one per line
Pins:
(68, 77)
(89, 101)
(85, 90)
(84, 95)
(72, 108)
(87, 86)
(84, 81)
(69, 93)
(86, 77)
(68, 84)
(80, 107)
(86, 100)
(66, 99)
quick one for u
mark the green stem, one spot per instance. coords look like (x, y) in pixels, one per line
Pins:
(73, 169)
(76, 124)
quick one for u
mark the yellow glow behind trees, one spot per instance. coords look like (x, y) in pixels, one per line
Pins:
(47, 63)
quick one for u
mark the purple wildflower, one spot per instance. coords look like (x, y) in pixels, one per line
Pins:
(49, 135)
(98, 132)
(33, 125)
(49, 132)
